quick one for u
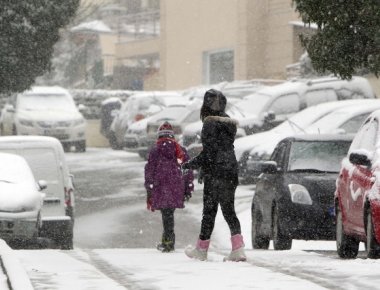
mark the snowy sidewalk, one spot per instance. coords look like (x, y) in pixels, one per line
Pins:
(12, 274)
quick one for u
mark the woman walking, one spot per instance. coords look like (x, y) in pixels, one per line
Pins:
(220, 174)
(166, 187)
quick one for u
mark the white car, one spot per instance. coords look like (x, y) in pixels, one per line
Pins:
(20, 199)
(45, 111)
(139, 106)
(270, 106)
(46, 159)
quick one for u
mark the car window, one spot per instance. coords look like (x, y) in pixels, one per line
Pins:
(279, 154)
(285, 104)
(192, 117)
(366, 137)
(353, 125)
(323, 156)
(314, 97)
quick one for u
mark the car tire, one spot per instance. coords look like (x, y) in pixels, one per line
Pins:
(372, 246)
(258, 241)
(281, 241)
(80, 146)
(14, 130)
(66, 147)
(347, 247)
(113, 141)
(66, 240)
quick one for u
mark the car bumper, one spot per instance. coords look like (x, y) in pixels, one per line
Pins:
(309, 222)
(23, 225)
(66, 134)
(55, 227)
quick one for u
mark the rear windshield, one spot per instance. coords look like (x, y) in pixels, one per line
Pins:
(317, 156)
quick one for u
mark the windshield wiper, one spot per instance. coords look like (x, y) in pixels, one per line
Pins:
(293, 124)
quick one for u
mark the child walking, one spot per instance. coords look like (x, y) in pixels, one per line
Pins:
(167, 188)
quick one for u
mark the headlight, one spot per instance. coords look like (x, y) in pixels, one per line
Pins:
(78, 122)
(299, 194)
(25, 122)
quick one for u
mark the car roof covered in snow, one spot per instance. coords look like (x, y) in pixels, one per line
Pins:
(320, 137)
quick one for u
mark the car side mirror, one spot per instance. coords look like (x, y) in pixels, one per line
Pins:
(269, 167)
(359, 158)
(42, 184)
(269, 116)
(82, 108)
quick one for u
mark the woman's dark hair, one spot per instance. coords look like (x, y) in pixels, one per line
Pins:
(214, 104)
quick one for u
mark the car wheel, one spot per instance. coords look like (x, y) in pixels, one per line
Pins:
(66, 147)
(258, 241)
(113, 142)
(14, 130)
(347, 247)
(80, 146)
(66, 239)
(281, 241)
(372, 246)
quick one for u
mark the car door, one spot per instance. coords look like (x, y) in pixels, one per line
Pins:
(284, 106)
(269, 184)
(359, 178)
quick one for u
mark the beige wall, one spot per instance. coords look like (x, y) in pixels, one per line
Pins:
(190, 28)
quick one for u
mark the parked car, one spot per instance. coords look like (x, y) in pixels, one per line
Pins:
(45, 111)
(109, 109)
(46, 159)
(271, 105)
(20, 199)
(252, 150)
(178, 117)
(137, 107)
(294, 197)
(357, 194)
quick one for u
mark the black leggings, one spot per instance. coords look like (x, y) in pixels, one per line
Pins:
(218, 191)
(168, 225)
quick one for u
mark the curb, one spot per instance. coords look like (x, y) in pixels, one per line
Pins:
(16, 276)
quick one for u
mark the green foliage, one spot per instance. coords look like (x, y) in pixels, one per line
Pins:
(29, 30)
(347, 38)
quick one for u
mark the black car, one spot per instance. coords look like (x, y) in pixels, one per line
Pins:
(294, 197)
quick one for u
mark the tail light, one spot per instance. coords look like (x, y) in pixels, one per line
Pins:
(68, 197)
(139, 117)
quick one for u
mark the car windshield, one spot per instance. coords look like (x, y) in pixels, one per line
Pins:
(46, 102)
(317, 156)
(253, 104)
(171, 114)
(334, 120)
(15, 172)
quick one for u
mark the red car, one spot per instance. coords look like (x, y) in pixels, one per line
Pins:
(357, 195)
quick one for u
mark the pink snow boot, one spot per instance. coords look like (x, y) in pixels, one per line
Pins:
(200, 250)
(237, 254)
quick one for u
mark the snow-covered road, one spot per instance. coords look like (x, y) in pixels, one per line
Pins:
(308, 265)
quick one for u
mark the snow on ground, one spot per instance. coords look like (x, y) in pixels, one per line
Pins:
(310, 264)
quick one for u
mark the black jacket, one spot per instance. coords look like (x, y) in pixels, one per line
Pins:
(217, 158)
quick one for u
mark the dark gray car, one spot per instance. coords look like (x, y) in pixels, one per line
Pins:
(294, 196)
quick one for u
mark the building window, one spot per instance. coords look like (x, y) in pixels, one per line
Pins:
(218, 66)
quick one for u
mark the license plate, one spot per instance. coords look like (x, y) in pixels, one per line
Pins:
(54, 132)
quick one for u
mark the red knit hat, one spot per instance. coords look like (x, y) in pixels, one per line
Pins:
(165, 130)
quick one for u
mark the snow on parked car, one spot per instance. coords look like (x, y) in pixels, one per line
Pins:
(258, 147)
(20, 199)
(45, 111)
(139, 106)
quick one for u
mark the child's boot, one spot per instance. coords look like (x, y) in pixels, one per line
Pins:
(237, 254)
(200, 250)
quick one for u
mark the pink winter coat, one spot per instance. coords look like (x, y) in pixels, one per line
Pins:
(163, 176)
